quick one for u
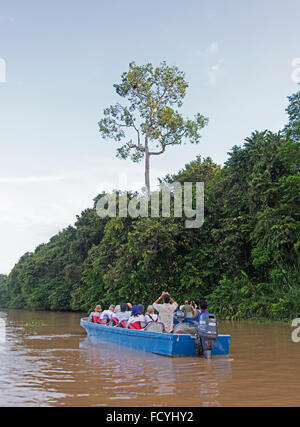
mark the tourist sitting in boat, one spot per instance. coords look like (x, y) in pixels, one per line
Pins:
(150, 316)
(203, 309)
(113, 321)
(137, 319)
(166, 311)
(142, 308)
(123, 314)
(96, 314)
(107, 314)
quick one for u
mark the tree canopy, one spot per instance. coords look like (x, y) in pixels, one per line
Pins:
(148, 121)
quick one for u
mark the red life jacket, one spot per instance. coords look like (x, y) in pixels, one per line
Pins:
(114, 321)
(135, 325)
(96, 319)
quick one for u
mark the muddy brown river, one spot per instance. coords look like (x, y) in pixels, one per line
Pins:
(46, 359)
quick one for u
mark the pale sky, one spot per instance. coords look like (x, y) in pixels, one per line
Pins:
(61, 60)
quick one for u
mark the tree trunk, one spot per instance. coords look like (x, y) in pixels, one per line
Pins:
(147, 173)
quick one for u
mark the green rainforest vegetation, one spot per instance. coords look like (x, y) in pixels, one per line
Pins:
(244, 259)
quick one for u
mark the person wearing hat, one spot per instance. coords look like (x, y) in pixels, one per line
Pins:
(136, 316)
(95, 315)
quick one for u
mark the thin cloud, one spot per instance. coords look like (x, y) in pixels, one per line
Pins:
(213, 72)
(36, 179)
(30, 179)
(210, 50)
(208, 57)
(213, 47)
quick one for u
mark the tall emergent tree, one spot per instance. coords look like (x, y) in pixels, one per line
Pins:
(148, 121)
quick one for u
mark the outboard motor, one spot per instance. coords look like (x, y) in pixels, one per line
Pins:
(207, 334)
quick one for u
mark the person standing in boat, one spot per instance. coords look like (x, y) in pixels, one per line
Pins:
(203, 309)
(188, 310)
(166, 311)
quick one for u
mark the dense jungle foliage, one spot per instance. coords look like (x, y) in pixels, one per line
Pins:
(244, 259)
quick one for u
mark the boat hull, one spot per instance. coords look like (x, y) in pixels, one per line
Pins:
(154, 342)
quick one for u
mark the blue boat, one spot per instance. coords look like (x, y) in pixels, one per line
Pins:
(154, 342)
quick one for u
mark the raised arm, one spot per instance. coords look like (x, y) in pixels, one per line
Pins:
(159, 298)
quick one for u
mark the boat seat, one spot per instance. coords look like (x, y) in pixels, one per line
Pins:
(184, 328)
(154, 327)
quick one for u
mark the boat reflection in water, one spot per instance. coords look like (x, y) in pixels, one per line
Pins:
(138, 377)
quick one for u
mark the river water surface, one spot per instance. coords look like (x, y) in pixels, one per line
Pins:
(47, 360)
